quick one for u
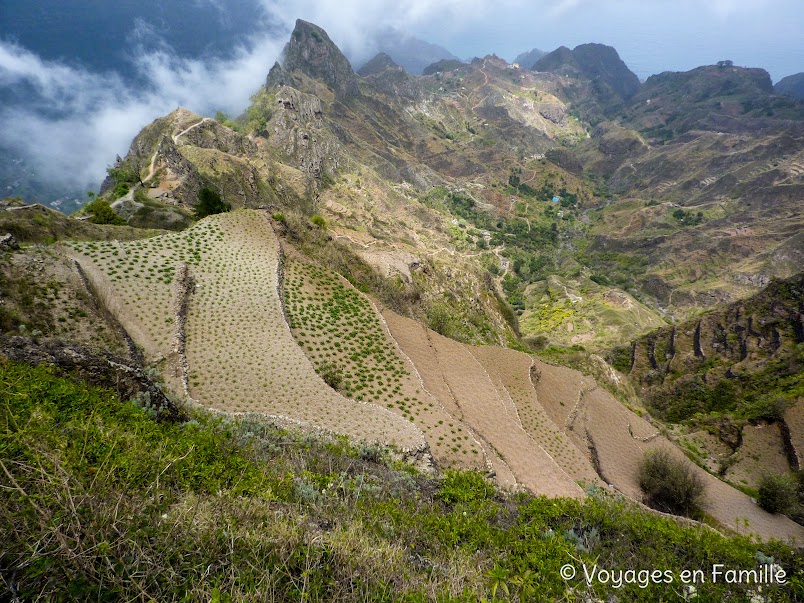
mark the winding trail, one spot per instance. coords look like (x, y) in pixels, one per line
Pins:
(195, 125)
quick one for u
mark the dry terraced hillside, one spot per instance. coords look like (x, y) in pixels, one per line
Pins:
(222, 329)
(207, 306)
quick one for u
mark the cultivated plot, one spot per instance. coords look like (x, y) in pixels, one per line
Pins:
(347, 342)
(240, 354)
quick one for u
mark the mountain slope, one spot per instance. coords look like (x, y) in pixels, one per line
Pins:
(735, 372)
(792, 85)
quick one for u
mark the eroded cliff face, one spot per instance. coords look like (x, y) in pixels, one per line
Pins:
(298, 131)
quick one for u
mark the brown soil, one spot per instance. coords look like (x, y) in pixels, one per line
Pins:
(794, 417)
(761, 453)
(455, 376)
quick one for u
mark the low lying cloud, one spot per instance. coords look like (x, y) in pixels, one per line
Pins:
(74, 121)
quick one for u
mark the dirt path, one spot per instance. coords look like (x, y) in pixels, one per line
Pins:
(483, 85)
(195, 125)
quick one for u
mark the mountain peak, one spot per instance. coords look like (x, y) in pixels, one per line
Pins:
(378, 64)
(310, 51)
(593, 61)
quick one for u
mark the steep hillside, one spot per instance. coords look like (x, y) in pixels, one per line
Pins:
(792, 85)
(234, 509)
(735, 372)
(705, 188)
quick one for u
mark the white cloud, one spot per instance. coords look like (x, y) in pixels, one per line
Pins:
(97, 115)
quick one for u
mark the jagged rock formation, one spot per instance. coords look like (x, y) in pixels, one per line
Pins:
(311, 52)
(701, 362)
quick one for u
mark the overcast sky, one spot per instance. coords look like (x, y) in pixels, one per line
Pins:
(77, 115)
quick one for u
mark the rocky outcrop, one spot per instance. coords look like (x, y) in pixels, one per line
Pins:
(8, 242)
(720, 360)
(95, 368)
(311, 52)
(297, 129)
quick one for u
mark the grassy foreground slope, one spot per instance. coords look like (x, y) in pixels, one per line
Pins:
(101, 502)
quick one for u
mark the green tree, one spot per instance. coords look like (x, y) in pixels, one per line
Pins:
(209, 203)
(102, 213)
(669, 484)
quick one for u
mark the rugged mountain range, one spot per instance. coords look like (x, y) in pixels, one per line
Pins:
(565, 208)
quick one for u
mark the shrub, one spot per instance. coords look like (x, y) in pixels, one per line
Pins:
(777, 493)
(319, 221)
(331, 373)
(102, 213)
(209, 203)
(670, 485)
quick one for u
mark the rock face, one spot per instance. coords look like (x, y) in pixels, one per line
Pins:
(8, 242)
(310, 51)
(99, 369)
(378, 64)
(298, 130)
(792, 85)
(711, 363)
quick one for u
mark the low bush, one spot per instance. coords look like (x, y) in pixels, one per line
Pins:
(670, 485)
(102, 213)
(777, 493)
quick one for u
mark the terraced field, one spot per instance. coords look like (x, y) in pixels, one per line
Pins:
(135, 280)
(453, 374)
(206, 302)
(511, 372)
(347, 342)
(239, 354)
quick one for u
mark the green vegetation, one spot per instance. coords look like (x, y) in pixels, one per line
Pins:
(670, 485)
(762, 394)
(124, 175)
(688, 218)
(777, 493)
(103, 503)
(260, 111)
(209, 203)
(102, 213)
